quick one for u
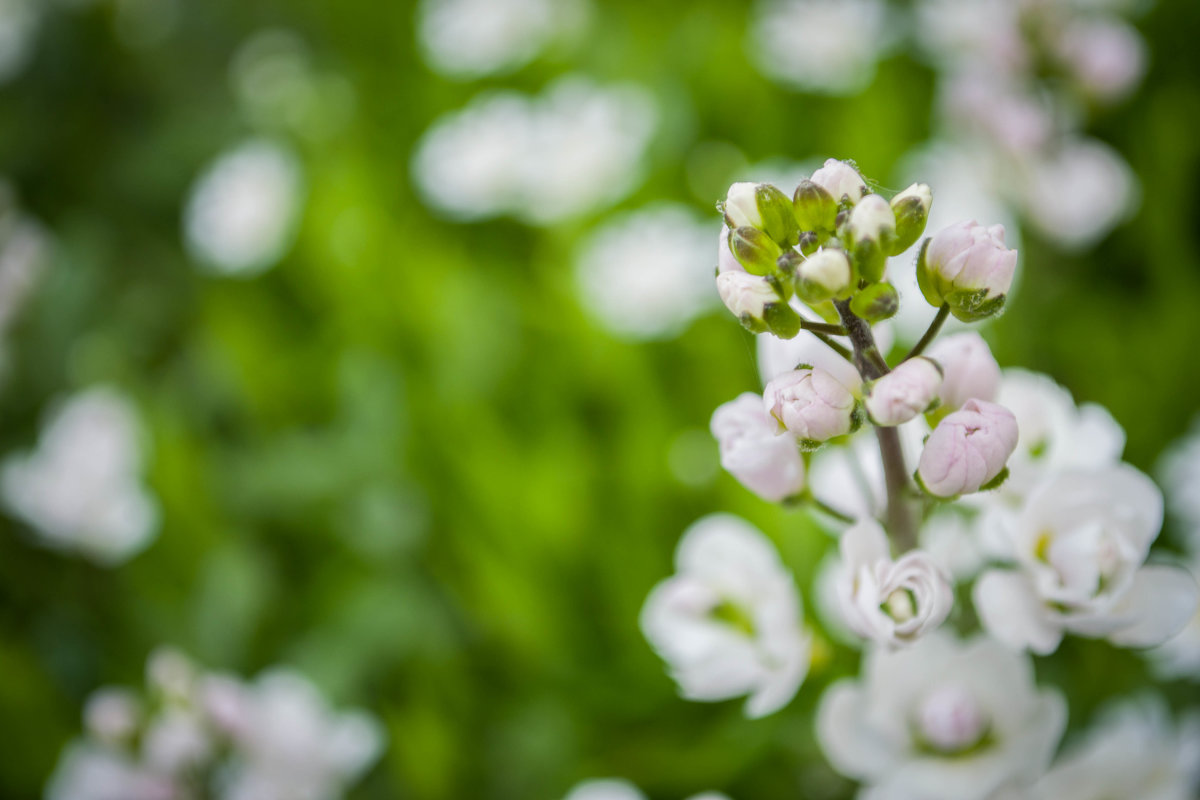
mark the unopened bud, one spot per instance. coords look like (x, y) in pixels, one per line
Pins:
(870, 232)
(762, 206)
(815, 208)
(824, 275)
(754, 250)
(726, 261)
(809, 242)
(841, 180)
(758, 304)
(812, 405)
(911, 208)
(967, 450)
(904, 393)
(877, 302)
(967, 267)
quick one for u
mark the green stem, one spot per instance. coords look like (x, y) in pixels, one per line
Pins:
(834, 346)
(822, 327)
(930, 333)
(825, 508)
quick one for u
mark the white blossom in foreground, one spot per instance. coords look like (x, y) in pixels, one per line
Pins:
(891, 602)
(644, 274)
(828, 46)
(967, 449)
(576, 148)
(728, 623)
(81, 488)
(473, 38)
(619, 789)
(904, 393)
(752, 451)
(941, 720)
(1134, 751)
(1081, 543)
(242, 212)
(196, 733)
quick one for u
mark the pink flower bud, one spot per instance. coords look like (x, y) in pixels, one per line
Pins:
(968, 267)
(904, 393)
(810, 404)
(767, 464)
(968, 449)
(841, 180)
(950, 719)
(968, 369)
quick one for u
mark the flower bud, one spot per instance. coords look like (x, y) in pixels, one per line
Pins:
(950, 720)
(769, 465)
(904, 393)
(809, 243)
(841, 180)
(754, 250)
(911, 208)
(891, 602)
(877, 302)
(824, 275)
(726, 260)
(870, 232)
(814, 207)
(967, 450)
(968, 267)
(968, 369)
(811, 405)
(762, 206)
(758, 304)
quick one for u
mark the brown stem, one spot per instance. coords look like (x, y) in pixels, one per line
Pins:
(930, 332)
(901, 522)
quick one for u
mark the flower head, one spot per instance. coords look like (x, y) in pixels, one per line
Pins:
(811, 404)
(904, 393)
(968, 449)
(767, 464)
(967, 267)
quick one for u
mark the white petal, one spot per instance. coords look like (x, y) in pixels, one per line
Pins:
(1009, 608)
(850, 746)
(1162, 599)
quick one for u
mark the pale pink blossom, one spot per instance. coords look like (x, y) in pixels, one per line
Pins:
(904, 393)
(811, 404)
(969, 267)
(968, 369)
(967, 449)
(841, 180)
(767, 464)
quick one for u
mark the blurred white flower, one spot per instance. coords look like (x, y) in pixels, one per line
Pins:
(828, 46)
(728, 622)
(112, 715)
(24, 251)
(941, 720)
(1179, 472)
(1105, 55)
(958, 34)
(576, 148)
(472, 38)
(19, 23)
(646, 274)
(619, 789)
(89, 771)
(242, 212)
(1077, 193)
(292, 746)
(1133, 751)
(1081, 542)
(969, 371)
(1179, 656)
(81, 489)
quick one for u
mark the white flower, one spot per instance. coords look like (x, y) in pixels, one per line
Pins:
(112, 715)
(81, 488)
(1179, 471)
(728, 622)
(1106, 56)
(819, 45)
(941, 720)
(891, 602)
(904, 393)
(1179, 656)
(1134, 751)
(842, 180)
(619, 789)
(242, 212)
(1081, 542)
(1052, 433)
(473, 38)
(94, 772)
(292, 746)
(767, 464)
(24, 253)
(576, 148)
(645, 274)
(19, 23)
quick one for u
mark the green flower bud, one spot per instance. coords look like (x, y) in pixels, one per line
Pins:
(809, 242)
(877, 302)
(815, 208)
(911, 208)
(755, 250)
(824, 275)
(761, 206)
(758, 303)
(870, 231)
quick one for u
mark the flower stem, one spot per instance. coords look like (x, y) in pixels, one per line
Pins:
(825, 508)
(834, 346)
(901, 523)
(822, 327)
(930, 333)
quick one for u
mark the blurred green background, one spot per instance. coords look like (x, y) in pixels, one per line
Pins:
(405, 461)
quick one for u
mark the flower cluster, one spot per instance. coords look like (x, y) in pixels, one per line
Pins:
(1011, 486)
(195, 734)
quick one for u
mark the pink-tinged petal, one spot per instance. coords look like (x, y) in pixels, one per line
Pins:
(1161, 600)
(1010, 610)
